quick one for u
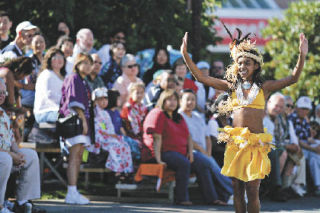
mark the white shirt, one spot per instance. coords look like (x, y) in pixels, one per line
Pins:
(213, 127)
(197, 128)
(48, 92)
(10, 54)
(104, 53)
(267, 123)
(201, 95)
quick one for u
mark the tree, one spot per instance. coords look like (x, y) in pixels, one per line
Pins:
(283, 48)
(146, 23)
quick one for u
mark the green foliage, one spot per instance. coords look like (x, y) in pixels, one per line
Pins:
(147, 23)
(283, 48)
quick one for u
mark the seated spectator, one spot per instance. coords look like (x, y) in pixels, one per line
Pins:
(161, 61)
(113, 110)
(12, 158)
(316, 116)
(289, 108)
(286, 145)
(167, 141)
(118, 36)
(204, 92)
(167, 81)
(129, 75)
(155, 80)
(93, 79)
(63, 27)
(48, 87)
(202, 143)
(111, 70)
(313, 146)
(119, 158)
(76, 98)
(180, 70)
(217, 69)
(65, 44)
(133, 111)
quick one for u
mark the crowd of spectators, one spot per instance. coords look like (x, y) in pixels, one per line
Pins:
(160, 116)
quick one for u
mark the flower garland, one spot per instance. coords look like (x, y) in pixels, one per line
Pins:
(251, 96)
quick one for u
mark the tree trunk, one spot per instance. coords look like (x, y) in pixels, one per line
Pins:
(196, 29)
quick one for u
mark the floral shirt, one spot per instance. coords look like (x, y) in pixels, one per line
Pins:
(6, 133)
(301, 127)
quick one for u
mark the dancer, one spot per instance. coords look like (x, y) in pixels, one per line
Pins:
(246, 157)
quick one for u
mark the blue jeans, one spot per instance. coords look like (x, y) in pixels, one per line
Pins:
(222, 183)
(181, 165)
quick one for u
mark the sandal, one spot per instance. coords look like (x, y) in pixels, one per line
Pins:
(184, 203)
(219, 203)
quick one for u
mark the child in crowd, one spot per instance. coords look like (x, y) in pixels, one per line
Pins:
(119, 159)
(112, 108)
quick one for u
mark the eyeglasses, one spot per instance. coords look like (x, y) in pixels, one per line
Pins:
(28, 35)
(289, 106)
(3, 93)
(132, 65)
(97, 62)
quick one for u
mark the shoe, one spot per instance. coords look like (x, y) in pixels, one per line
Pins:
(298, 189)
(76, 198)
(5, 210)
(184, 203)
(28, 207)
(230, 200)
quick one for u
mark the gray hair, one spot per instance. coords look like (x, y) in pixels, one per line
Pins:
(82, 32)
(126, 58)
(275, 95)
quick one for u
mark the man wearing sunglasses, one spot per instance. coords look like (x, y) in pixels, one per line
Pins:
(24, 34)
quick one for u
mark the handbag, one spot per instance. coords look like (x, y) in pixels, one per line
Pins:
(69, 126)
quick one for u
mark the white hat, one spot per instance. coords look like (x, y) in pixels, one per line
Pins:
(25, 25)
(203, 65)
(304, 102)
(99, 92)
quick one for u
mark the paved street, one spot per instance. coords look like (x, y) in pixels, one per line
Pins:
(307, 205)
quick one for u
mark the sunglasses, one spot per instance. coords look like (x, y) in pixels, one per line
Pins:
(289, 106)
(132, 65)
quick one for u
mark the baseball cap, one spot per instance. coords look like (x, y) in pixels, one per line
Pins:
(99, 93)
(304, 102)
(25, 25)
(203, 65)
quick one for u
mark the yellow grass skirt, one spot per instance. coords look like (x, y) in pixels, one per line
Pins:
(246, 155)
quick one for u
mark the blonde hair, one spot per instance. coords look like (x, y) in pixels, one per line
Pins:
(134, 86)
(80, 58)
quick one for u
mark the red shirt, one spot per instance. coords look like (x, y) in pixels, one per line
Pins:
(174, 135)
(189, 84)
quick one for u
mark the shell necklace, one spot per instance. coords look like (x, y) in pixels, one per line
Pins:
(251, 96)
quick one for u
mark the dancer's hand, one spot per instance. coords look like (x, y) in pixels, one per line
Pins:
(183, 48)
(303, 47)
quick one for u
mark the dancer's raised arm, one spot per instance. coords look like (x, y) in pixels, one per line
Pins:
(207, 80)
(274, 85)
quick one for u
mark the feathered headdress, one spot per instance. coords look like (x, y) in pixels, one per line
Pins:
(243, 47)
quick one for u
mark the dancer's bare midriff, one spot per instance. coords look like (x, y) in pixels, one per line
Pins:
(249, 117)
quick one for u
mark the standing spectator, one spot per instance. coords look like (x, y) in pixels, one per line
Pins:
(63, 27)
(217, 69)
(204, 92)
(5, 26)
(48, 87)
(129, 75)
(180, 70)
(25, 32)
(119, 158)
(84, 44)
(111, 70)
(167, 81)
(117, 36)
(25, 160)
(134, 111)
(202, 143)
(65, 44)
(93, 79)
(167, 141)
(76, 98)
(161, 61)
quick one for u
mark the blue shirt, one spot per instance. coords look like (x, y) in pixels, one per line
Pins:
(116, 120)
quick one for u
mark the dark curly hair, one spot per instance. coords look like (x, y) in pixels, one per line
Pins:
(20, 65)
(46, 64)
